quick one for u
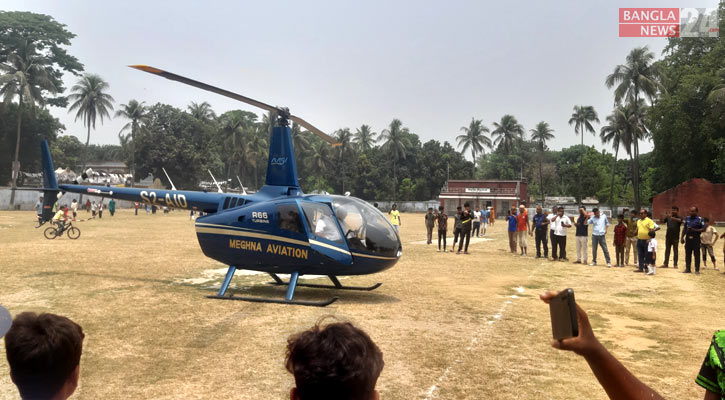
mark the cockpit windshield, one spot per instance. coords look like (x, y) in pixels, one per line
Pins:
(364, 227)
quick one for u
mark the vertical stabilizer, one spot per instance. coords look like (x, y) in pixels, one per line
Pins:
(51, 193)
(281, 167)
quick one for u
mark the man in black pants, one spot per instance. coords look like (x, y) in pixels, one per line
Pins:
(694, 226)
(560, 223)
(456, 227)
(672, 238)
(466, 225)
(540, 226)
(429, 224)
(442, 221)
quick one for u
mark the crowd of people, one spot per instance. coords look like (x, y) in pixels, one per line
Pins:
(328, 361)
(634, 233)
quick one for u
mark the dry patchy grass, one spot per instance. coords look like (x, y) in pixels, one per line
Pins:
(450, 326)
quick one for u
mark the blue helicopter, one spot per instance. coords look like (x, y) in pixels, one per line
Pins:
(277, 230)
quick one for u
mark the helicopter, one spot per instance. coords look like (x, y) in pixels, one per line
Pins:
(276, 230)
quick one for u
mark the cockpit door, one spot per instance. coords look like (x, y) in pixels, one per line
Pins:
(324, 232)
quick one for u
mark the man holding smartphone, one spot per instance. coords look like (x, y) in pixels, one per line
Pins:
(560, 223)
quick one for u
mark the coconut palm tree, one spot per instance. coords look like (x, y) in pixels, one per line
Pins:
(395, 143)
(475, 138)
(138, 114)
(318, 158)
(90, 101)
(541, 134)
(364, 138)
(582, 119)
(622, 130)
(300, 139)
(23, 75)
(636, 78)
(344, 137)
(508, 131)
(201, 111)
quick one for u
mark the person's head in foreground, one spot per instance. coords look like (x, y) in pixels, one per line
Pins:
(440, 208)
(522, 208)
(693, 212)
(675, 210)
(334, 361)
(596, 212)
(458, 209)
(395, 206)
(467, 206)
(44, 353)
(538, 209)
(651, 234)
(633, 213)
(430, 210)
(620, 218)
(560, 211)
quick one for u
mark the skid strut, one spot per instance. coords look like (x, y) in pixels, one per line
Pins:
(335, 284)
(288, 296)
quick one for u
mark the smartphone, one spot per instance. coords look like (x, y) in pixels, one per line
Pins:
(564, 322)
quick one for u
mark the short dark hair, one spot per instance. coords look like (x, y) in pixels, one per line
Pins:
(595, 209)
(676, 208)
(620, 216)
(466, 204)
(583, 207)
(440, 208)
(458, 208)
(430, 208)
(560, 208)
(633, 212)
(43, 350)
(651, 234)
(335, 361)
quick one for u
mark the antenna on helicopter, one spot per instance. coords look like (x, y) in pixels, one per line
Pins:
(244, 191)
(283, 113)
(167, 177)
(215, 182)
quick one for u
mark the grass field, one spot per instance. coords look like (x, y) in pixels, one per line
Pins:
(450, 326)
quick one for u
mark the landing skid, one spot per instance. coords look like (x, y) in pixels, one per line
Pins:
(335, 284)
(292, 285)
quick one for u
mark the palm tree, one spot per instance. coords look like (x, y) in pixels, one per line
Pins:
(395, 143)
(582, 119)
(90, 102)
(319, 154)
(621, 131)
(343, 137)
(474, 137)
(201, 111)
(138, 114)
(637, 76)
(23, 75)
(508, 131)
(541, 134)
(364, 138)
(300, 139)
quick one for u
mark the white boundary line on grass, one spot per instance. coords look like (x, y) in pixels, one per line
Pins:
(432, 391)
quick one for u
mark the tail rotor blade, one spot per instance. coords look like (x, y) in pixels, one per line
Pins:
(204, 86)
(316, 131)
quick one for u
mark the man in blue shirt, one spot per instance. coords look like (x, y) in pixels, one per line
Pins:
(540, 226)
(600, 225)
(511, 217)
(694, 226)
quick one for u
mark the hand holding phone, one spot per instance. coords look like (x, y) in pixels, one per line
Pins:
(564, 323)
(584, 343)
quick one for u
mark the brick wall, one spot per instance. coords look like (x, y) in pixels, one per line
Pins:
(707, 196)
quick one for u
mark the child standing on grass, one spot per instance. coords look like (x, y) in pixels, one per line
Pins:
(620, 236)
(707, 244)
(651, 256)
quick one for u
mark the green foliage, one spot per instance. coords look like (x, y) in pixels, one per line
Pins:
(38, 124)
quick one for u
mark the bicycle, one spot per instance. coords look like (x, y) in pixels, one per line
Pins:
(51, 232)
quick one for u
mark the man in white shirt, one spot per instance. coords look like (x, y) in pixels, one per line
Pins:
(559, 223)
(476, 223)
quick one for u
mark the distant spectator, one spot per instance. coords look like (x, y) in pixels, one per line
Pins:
(560, 222)
(112, 207)
(492, 217)
(582, 236)
(645, 225)
(616, 380)
(466, 225)
(100, 209)
(600, 226)
(708, 238)
(395, 217)
(550, 217)
(620, 237)
(336, 361)
(672, 237)
(476, 232)
(442, 222)
(540, 227)
(430, 224)
(74, 208)
(651, 254)
(512, 227)
(94, 209)
(456, 227)
(522, 227)
(44, 353)
(712, 372)
(88, 205)
(135, 206)
(631, 242)
(694, 226)
(39, 210)
(154, 208)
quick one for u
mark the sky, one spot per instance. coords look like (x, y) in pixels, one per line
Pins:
(434, 65)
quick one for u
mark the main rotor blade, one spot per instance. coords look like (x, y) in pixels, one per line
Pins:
(204, 86)
(316, 131)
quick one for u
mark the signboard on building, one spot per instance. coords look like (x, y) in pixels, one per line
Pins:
(478, 190)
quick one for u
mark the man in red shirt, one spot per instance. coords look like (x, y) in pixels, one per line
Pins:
(522, 226)
(620, 237)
